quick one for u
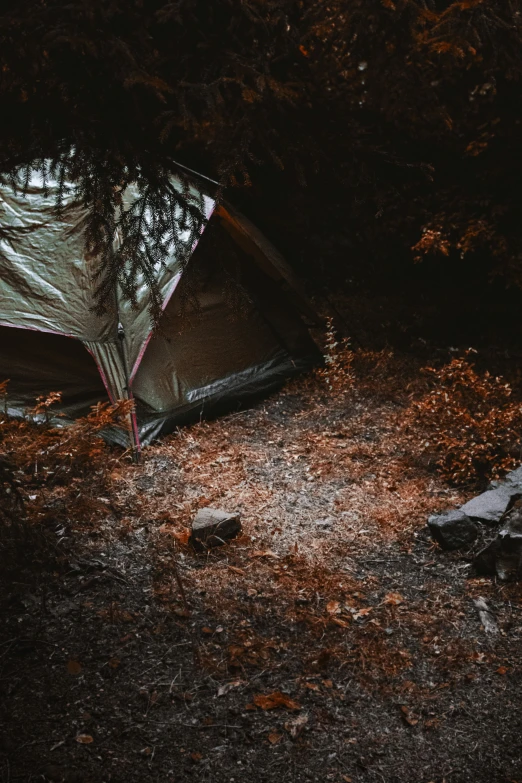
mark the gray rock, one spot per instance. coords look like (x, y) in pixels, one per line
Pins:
(515, 477)
(453, 529)
(214, 527)
(491, 506)
(503, 556)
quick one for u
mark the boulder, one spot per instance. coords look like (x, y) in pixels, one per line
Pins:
(493, 504)
(503, 556)
(453, 529)
(515, 478)
(213, 527)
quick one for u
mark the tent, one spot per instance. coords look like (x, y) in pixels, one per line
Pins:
(207, 351)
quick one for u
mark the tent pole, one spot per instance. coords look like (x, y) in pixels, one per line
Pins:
(133, 429)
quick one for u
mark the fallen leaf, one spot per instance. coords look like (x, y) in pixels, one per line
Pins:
(328, 683)
(264, 553)
(295, 726)
(274, 738)
(333, 607)
(196, 756)
(408, 717)
(347, 779)
(502, 670)
(182, 536)
(312, 686)
(393, 599)
(84, 739)
(207, 630)
(275, 699)
(362, 612)
(74, 667)
(228, 686)
(114, 663)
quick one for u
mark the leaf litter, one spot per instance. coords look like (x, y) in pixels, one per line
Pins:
(338, 642)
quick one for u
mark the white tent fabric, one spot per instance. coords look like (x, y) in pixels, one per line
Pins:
(47, 284)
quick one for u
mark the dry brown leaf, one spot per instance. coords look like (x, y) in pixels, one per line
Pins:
(362, 612)
(207, 630)
(328, 683)
(393, 599)
(502, 670)
(114, 663)
(312, 686)
(333, 607)
(74, 667)
(196, 756)
(274, 737)
(84, 739)
(182, 536)
(264, 553)
(408, 716)
(275, 699)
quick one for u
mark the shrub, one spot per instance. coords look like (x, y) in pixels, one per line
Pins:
(468, 422)
(338, 361)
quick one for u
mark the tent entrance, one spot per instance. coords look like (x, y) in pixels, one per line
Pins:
(38, 363)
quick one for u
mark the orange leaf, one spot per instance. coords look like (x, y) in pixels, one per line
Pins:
(408, 717)
(362, 612)
(502, 670)
(275, 699)
(393, 599)
(84, 739)
(333, 607)
(182, 536)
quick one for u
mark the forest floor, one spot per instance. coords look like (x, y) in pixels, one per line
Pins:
(332, 641)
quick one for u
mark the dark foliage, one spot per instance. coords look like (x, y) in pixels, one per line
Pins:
(402, 118)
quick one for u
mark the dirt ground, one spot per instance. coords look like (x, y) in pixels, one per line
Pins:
(332, 641)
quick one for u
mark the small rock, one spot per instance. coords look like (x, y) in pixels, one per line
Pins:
(213, 527)
(487, 618)
(453, 530)
(491, 506)
(503, 556)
